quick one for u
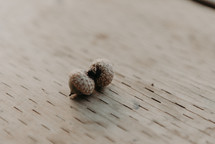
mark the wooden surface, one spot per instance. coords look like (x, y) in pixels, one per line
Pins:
(164, 58)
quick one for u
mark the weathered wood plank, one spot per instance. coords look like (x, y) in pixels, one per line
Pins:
(164, 85)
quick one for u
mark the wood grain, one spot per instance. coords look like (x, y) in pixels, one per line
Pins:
(164, 59)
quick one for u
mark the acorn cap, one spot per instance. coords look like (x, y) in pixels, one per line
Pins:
(80, 83)
(101, 70)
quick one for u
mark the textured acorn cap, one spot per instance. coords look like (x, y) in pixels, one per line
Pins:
(101, 70)
(80, 83)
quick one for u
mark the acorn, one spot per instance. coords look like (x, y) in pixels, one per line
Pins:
(80, 83)
(101, 71)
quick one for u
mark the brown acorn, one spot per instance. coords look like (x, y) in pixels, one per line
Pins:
(101, 71)
(80, 83)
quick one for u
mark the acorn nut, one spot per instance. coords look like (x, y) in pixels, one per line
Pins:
(101, 71)
(80, 83)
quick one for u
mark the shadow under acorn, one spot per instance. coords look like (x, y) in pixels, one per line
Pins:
(80, 97)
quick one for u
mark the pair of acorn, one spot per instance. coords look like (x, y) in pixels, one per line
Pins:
(99, 75)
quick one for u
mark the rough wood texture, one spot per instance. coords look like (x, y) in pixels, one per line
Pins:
(164, 85)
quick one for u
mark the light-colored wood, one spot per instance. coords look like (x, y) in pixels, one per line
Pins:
(164, 57)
